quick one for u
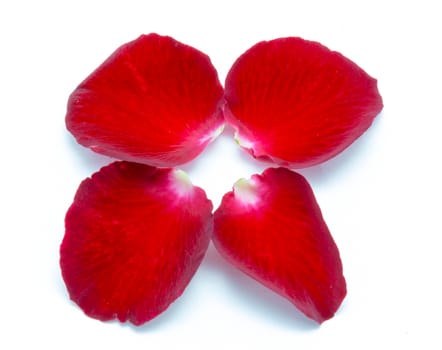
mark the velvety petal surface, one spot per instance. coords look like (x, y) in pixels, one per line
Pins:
(154, 101)
(297, 103)
(271, 228)
(135, 236)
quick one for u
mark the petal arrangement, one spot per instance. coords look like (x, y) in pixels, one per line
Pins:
(138, 229)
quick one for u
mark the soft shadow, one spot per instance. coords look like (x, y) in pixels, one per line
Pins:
(255, 298)
(228, 135)
(319, 174)
(162, 321)
(173, 315)
(84, 156)
(349, 158)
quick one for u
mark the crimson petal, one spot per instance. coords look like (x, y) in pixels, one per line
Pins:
(135, 235)
(297, 103)
(153, 101)
(271, 228)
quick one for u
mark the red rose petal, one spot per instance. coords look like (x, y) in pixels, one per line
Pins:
(297, 103)
(153, 101)
(135, 236)
(272, 229)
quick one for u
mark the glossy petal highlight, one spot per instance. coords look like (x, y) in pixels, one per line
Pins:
(154, 101)
(271, 228)
(297, 103)
(135, 236)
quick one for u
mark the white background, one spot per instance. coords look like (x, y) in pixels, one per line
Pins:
(381, 198)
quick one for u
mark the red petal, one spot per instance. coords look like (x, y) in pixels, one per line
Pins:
(297, 103)
(135, 236)
(272, 229)
(153, 101)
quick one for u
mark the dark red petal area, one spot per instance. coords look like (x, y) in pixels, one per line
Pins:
(271, 228)
(153, 101)
(135, 236)
(297, 103)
